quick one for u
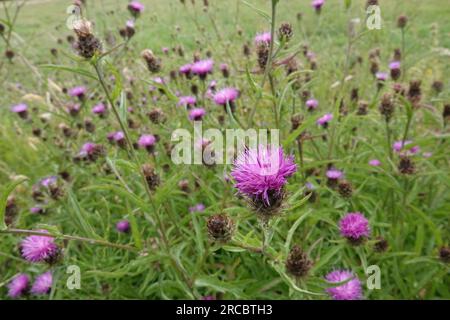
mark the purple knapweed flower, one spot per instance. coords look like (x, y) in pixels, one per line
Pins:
(381, 76)
(147, 141)
(135, 8)
(374, 162)
(42, 284)
(334, 174)
(186, 69)
(226, 96)
(202, 68)
(78, 92)
(200, 207)
(21, 109)
(99, 109)
(351, 290)
(262, 173)
(317, 4)
(263, 37)
(123, 226)
(354, 226)
(48, 181)
(394, 65)
(18, 286)
(312, 104)
(36, 210)
(196, 114)
(187, 101)
(325, 119)
(39, 248)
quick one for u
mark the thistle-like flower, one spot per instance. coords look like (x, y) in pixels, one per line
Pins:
(42, 284)
(261, 175)
(18, 286)
(351, 290)
(355, 227)
(40, 248)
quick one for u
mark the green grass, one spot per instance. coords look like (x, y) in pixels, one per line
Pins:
(410, 212)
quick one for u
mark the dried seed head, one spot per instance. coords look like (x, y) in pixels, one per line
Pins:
(88, 46)
(406, 165)
(220, 228)
(345, 189)
(153, 63)
(446, 112)
(444, 254)
(402, 21)
(246, 50)
(285, 32)
(263, 54)
(381, 245)
(414, 92)
(9, 54)
(151, 176)
(362, 108)
(184, 186)
(156, 116)
(387, 106)
(437, 86)
(297, 262)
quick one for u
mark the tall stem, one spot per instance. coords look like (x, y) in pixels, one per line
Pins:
(268, 66)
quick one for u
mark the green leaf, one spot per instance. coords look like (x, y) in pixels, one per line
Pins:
(4, 198)
(79, 71)
(293, 228)
(294, 134)
(258, 11)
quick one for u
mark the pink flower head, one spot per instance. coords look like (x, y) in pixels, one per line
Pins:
(334, 174)
(135, 7)
(147, 140)
(196, 114)
(130, 24)
(354, 226)
(202, 68)
(317, 4)
(118, 136)
(87, 149)
(165, 50)
(19, 108)
(223, 67)
(48, 181)
(226, 95)
(427, 154)
(312, 104)
(350, 290)
(36, 210)
(187, 101)
(99, 109)
(39, 248)
(323, 121)
(18, 286)
(73, 108)
(398, 146)
(374, 163)
(185, 69)
(263, 37)
(123, 226)
(262, 172)
(42, 284)
(200, 207)
(78, 91)
(381, 76)
(394, 65)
